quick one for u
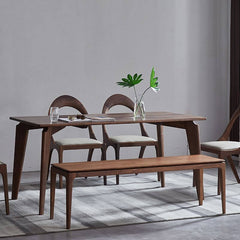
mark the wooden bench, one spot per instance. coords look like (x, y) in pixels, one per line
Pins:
(127, 166)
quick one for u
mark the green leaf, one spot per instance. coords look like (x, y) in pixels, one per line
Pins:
(129, 77)
(139, 76)
(130, 81)
(124, 80)
(154, 81)
(135, 76)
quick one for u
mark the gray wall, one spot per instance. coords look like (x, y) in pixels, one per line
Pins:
(82, 47)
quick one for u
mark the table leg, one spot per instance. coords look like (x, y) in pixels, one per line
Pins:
(46, 140)
(199, 185)
(192, 132)
(160, 139)
(19, 153)
(52, 192)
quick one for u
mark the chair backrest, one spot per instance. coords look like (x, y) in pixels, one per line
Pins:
(69, 101)
(119, 100)
(226, 133)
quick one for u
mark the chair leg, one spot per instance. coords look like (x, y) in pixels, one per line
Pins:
(218, 184)
(5, 186)
(223, 187)
(117, 156)
(60, 160)
(229, 158)
(141, 152)
(49, 161)
(90, 153)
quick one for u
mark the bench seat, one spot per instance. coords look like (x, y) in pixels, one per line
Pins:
(143, 165)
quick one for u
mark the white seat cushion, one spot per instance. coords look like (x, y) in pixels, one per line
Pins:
(222, 145)
(131, 138)
(77, 141)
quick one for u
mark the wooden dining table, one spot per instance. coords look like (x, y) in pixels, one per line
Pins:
(26, 123)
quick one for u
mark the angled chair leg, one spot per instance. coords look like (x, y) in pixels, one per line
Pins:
(218, 188)
(90, 153)
(141, 152)
(49, 161)
(142, 149)
(117, 155)
(60, 160)
(229, 158)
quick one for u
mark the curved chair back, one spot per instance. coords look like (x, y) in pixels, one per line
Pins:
(69, 101)
(120, 100)
(226, 133)
(117, 99)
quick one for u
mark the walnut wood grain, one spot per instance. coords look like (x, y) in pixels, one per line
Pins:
(27, 123)
(113, 167)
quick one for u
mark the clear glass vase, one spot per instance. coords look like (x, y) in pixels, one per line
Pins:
(139, 109)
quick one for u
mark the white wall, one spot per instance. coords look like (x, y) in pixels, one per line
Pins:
(82, 47)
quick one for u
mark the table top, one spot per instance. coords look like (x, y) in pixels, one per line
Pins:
(111, 118)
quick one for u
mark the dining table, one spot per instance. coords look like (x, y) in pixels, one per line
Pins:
(26, 123)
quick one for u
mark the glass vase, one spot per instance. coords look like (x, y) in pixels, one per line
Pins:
(139, 109)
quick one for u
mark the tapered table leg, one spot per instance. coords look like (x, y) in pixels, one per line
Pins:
(46, 140)
(192, 132)
(19, 154)
(52, 193)
(199, 185)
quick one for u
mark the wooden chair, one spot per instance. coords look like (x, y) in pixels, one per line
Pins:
(116, 142)
(223, 147)
(3, 171)
(60, 145)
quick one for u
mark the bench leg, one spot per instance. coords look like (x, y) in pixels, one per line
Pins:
(222, 181)
(199, 185)
(52, 193)
(104, 158)
(105, 180)
(5, 186)
(69, 184)
(161, 177)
